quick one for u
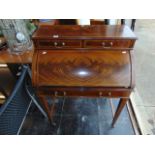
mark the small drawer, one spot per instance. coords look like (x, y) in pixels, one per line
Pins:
(107, 44)
(70, 44)
(54, 44)
(113, 93)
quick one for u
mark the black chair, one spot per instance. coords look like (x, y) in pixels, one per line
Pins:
(13, 111)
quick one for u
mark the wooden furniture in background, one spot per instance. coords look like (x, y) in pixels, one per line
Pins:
(99, 21)
(133, 24)
(8, 58)
(89, 61)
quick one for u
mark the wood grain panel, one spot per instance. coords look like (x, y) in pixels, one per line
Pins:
(80, 68)
(7, 57)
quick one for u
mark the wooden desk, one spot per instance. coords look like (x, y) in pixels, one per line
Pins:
(88, 61)
(7, 58)
(13, 61)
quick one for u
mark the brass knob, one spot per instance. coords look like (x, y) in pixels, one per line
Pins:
(55, 43)
(63, 44)
(111, 43)
(124, 52)
(100, 93)
(103, 43)
(56, 93)
(44, 52)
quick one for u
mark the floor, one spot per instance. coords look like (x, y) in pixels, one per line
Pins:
(145, 72)
(80, 116)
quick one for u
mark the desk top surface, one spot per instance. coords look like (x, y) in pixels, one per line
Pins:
(87, 31)
(7, 57)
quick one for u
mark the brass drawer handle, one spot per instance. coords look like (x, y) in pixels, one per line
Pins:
(55, 36)
(103, 43)
(55, 43)
(64, 93)
(55, 93)
(111, 44)
(100, 94)
(63, 44)
(109, 93)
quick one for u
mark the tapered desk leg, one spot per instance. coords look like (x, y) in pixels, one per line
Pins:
(46, 107)
(121, 105)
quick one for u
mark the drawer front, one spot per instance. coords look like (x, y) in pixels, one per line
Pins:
(83, 92)
(54, 44)
(108, 44)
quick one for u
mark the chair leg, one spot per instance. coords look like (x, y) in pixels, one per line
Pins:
(121, 105)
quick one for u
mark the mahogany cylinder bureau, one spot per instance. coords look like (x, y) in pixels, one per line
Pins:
(88, 61)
